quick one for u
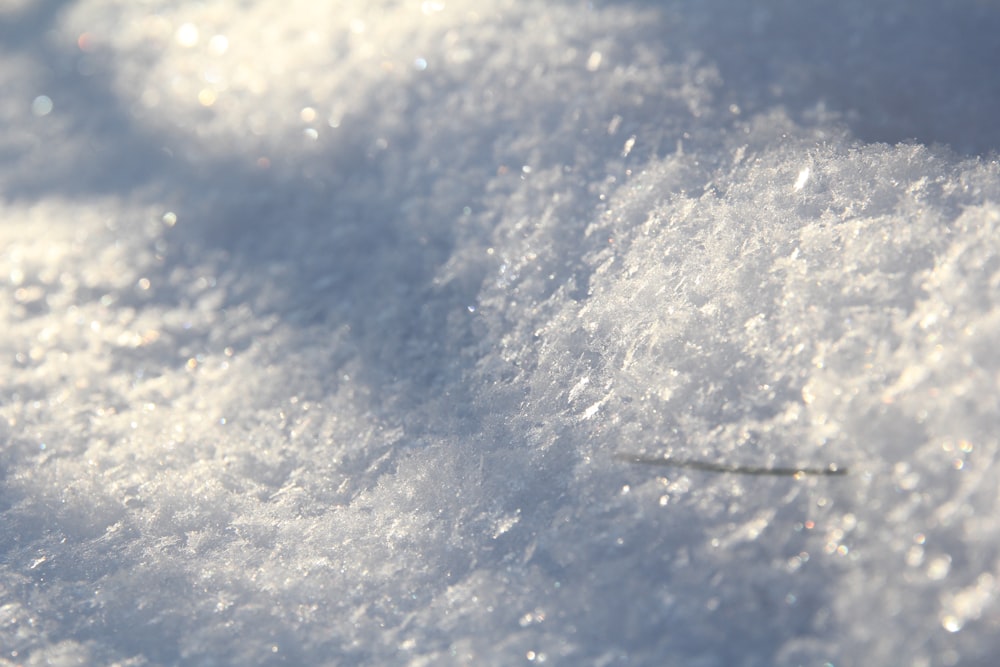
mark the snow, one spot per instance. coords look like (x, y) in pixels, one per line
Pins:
(326, 327)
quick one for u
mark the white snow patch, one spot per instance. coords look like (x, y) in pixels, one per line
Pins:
(325, 323)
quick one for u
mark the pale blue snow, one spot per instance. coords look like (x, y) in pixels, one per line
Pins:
(323, 325)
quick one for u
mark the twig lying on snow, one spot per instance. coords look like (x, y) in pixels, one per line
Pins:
(711, 466)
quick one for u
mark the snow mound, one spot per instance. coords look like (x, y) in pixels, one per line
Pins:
(326, 329)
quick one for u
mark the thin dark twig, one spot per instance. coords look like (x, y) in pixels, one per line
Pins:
(711, 466)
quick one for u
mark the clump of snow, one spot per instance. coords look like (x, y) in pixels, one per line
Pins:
(324, 327)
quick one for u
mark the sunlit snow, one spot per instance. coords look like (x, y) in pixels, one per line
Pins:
(331, 332)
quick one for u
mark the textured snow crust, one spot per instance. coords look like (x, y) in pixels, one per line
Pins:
(323, 325)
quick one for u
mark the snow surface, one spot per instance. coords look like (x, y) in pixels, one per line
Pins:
(324, 323)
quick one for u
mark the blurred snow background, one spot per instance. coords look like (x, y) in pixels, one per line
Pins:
(322, 325)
